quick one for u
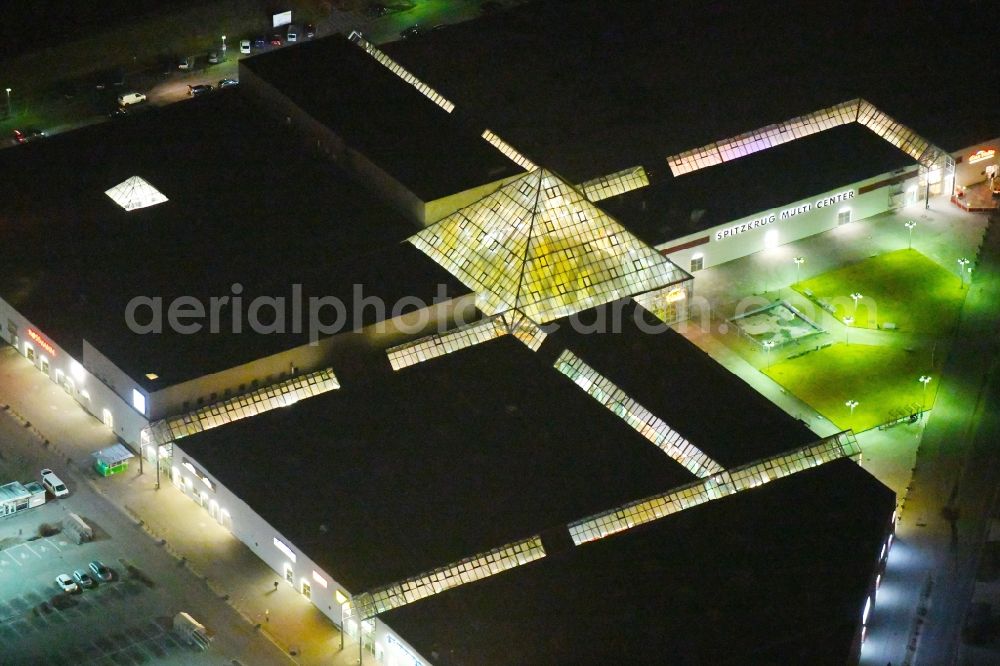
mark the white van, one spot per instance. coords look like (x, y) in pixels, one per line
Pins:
(53, 483)
(245, 46)
(131, 98)
(292, 35)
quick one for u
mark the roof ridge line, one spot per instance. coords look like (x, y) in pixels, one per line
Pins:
(527, 245)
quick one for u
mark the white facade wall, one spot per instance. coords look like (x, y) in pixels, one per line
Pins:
(259, 536)
(770, 228)
(967, 173)
(93, 395)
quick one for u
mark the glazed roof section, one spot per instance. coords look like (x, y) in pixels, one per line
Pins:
(245, 205)
(774, 575)
(676, 381)
(592, 87)
(538, 245)
(430, 151)
(414, 469)
(672, 207)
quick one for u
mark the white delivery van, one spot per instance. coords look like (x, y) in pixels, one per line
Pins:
(53, 483)
(293, 34)
(245, 46)
(131, 98)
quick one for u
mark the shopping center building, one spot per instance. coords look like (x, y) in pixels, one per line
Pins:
(463, 475)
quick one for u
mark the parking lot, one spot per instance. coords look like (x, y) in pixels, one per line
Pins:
(125, 621)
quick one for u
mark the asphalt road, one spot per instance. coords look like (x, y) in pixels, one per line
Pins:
(169, 86)
(947, 511)
(126, 621)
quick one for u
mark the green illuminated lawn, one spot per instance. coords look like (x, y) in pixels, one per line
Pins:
(902, 287)
(879, 378)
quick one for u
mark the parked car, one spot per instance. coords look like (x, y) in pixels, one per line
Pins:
(53, 483)
(185, 63)
(228, 83)
(213, 58)
(199, 89)
(131, 98)
(26, 135)
(259, 43)
(291, 34)
(310, 31)
(66, 583)
(83, 579)
(412, 31)
(275, 39)
(101, 572)
(244, 46)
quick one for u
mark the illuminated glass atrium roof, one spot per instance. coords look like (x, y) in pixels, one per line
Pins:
(134, 193)
(538, 245)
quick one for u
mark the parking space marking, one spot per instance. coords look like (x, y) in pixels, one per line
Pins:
(5, 561)
(59, 543)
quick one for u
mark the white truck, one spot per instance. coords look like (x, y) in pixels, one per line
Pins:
(191, 631)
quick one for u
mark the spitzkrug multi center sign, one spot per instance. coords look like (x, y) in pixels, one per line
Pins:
(785, 214)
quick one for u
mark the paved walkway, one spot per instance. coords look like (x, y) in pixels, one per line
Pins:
(230, 569)
(930, 575)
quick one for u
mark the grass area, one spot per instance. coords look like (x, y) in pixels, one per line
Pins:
(902, 287)
(879, 378)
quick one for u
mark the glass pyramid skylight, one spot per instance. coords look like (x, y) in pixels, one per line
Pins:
(135, 193)
(538, 245)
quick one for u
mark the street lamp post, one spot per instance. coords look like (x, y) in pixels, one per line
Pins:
(962, 263)
(925, 380)
(9, 112)
(847, 331)
(856, 296)
(852, 404)
(223, 43)
(909, 227)
(798, 268)
(768, 345)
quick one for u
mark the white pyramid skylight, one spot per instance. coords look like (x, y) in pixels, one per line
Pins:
(539, 246)
(135, 193)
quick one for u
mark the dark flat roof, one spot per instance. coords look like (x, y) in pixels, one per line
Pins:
(428, 150)
(246, 205)
(437, 462)
(776, 575)
(696, 396)
(588, 87)
(769, 179)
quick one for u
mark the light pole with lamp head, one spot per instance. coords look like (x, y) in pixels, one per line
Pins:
(223, 43)
(847, 331)
(962, 263)
(925, 380)
(768, 345)
(909, 227)
(9, 112)
(798, 268)
(856, 296)
(851, 404)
